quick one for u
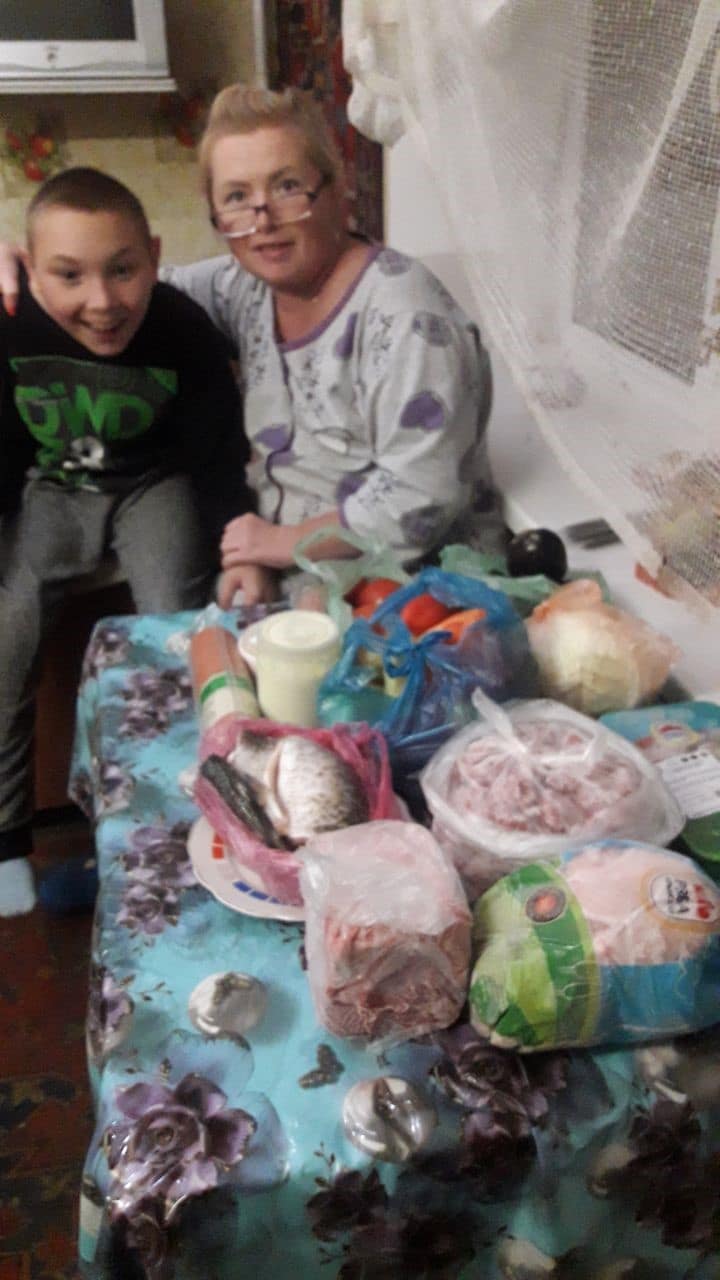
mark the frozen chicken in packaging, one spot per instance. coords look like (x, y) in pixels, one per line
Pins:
(387, 932)
(533, 779)
(614, 942)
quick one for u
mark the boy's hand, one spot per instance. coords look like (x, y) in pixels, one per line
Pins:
(10, 258)
(249, 540)
(256, 583)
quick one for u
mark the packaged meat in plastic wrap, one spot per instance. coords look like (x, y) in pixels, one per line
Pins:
(531, 780)
(682, 740)
(387, 933)
(267, 787)
(614, 942)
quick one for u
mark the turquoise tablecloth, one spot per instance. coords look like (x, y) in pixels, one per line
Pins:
(216, 1158)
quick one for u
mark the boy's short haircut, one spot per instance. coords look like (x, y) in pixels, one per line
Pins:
(89, 191)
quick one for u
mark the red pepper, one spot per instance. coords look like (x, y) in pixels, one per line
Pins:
(457, 624)
(422, 613)
(371, 591)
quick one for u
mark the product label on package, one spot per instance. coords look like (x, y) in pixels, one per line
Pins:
(684, 901)
(694, 780)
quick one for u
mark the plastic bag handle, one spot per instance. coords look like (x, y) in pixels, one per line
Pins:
(321, 535)
(503, 725)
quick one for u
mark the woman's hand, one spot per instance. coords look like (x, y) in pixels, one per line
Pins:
(256, 583)
(10, 257)
(250, 540)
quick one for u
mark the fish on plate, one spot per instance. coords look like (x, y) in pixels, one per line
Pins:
(302, 787)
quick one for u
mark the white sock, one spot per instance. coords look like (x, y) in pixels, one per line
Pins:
(17, 887)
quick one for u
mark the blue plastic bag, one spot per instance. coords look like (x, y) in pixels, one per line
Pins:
(432, 680)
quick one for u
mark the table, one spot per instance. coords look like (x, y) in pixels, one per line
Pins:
(227, 1155)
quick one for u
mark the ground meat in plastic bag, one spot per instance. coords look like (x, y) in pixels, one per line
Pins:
(533, 779)
(387, 933)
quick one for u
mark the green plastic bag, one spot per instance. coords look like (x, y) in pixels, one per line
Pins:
(340, 576)
(491, 568)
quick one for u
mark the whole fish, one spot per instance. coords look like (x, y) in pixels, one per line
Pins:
(238, 792)
(251, 754)
(311, 789)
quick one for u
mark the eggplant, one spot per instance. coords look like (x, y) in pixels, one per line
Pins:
(537, 551)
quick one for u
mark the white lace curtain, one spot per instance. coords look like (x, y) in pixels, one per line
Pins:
(577, 149)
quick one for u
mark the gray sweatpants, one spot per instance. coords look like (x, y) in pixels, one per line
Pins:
(164, 553)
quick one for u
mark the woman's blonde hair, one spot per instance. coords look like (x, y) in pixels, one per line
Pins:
(243, 108)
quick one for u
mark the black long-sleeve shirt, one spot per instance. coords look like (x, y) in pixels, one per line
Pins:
(167, 403)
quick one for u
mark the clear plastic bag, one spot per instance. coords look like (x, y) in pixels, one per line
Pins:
(534, 779)
(360, 748)
(387, 934)
(435, 679)
(614, 942)
(594, 656)
(338, 577)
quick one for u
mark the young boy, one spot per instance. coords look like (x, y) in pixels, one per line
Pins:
(120, 428)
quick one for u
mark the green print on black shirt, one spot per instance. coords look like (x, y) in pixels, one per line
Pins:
(82, 413)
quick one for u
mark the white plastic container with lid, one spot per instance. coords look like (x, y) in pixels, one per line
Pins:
(294, 651)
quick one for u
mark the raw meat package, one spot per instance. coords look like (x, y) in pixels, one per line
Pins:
(387, 932)
(682, 740)
(536, 778)
(267, 787)
(614, 942)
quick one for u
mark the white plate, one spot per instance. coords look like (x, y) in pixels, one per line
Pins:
(232, 884)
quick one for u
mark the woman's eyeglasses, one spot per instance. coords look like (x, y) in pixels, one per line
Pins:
(236, 220)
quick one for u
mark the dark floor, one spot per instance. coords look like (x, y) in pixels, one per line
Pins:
(45, 1109)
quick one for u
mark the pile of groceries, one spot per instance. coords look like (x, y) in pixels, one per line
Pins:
(469, 783)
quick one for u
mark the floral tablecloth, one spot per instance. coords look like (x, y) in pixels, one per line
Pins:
(216, 1156)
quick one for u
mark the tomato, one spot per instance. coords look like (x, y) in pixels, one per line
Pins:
(41, 146)
(422, 613)
(367, 611)
(457, 624)
(371, 591)
(32, 170)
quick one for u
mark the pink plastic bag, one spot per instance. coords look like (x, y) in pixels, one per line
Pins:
(387, 934)
(360, 747)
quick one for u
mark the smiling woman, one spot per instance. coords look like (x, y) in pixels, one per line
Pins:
(367, 390)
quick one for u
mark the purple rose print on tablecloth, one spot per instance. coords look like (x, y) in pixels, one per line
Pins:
(158, 870)
(108, 647)
(109, 792)
(344, 346)
(392, 263)
(422, 525)
(424, 412)
(153, 698)
(278, 441)
(109, 1016)
(434, 329)
(381, 1239)
(505, 1099)
(663, 1170)
(172, 1143)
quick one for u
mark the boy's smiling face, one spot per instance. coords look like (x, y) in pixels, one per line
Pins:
(93, 273)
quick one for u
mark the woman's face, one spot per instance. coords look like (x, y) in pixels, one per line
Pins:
(291, 257)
